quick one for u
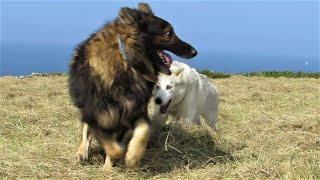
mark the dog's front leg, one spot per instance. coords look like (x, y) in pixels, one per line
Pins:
(86, 138)
(138, 143)
(188, 111)
(190, 116)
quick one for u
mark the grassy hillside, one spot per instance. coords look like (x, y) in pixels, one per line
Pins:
(268, 128)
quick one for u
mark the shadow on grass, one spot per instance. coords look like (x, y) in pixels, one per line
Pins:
(175, 146)
(178, 146)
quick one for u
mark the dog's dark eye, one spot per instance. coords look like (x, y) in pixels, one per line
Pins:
(168, 33)
(169, 87)
(157, 87)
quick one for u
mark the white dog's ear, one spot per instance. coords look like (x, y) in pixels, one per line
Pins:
(144, 7)
(178, 71)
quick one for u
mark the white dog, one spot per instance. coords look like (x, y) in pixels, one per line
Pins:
(187, 95)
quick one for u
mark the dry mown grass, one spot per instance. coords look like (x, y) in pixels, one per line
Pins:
(268, 128)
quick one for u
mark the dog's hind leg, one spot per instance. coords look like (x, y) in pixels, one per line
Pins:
(211, 119)
(116, 151)
(138, 143)
(86, 138)
(113, 150)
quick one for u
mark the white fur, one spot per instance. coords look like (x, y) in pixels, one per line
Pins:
(192, 95)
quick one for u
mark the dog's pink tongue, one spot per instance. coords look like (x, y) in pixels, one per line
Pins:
(167, 58)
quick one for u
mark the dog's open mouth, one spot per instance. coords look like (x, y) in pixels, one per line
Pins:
(164, 108)
(166, 62)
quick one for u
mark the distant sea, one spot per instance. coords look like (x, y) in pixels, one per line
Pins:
(25, 59)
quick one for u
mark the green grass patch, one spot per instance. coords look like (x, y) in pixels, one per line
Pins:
(275, 74)
(288, 74)
(214, 75)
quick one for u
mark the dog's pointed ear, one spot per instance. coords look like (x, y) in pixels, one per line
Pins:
(144, 7)
(177, 71)
(129, 16)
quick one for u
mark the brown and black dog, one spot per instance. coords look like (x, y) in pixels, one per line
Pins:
(112, 75)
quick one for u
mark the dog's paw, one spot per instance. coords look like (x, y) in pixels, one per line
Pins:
(132, 163)
(108, 164)
(81, 156)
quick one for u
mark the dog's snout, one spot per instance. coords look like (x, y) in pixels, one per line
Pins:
(158, 100)
(193, 52)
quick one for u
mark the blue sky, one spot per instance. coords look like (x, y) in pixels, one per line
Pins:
(220, 30)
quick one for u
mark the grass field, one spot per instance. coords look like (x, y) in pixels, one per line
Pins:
(268, 128)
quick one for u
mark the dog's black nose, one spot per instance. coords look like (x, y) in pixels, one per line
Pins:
(158, 100)
(193, 52)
